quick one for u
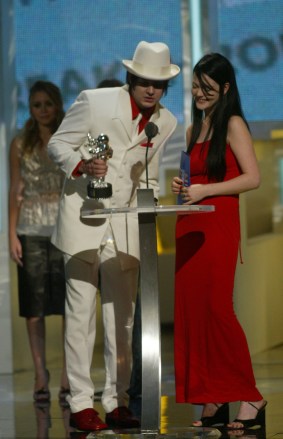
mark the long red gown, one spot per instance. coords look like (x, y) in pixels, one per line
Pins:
(212, 360)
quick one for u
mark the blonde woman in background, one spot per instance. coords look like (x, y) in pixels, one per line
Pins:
(35, 187)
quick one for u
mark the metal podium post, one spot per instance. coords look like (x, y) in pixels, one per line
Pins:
(151, 346)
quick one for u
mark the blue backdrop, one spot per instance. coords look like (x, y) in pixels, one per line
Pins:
(250, 33)
(77, 43)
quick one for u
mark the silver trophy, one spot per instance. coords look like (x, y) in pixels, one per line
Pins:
(100, 149)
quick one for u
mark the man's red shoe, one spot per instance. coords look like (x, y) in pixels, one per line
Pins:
(121, 417)
(87, 420)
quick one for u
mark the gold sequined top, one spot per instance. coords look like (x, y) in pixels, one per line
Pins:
(39, 196)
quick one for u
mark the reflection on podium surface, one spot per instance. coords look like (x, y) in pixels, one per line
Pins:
(43, 419)
(198, 433)
(44, 424)
(189, 433)
(244, 434)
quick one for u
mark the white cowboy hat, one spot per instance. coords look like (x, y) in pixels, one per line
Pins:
(152, 61)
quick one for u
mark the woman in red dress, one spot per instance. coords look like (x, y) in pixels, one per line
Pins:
(212, 360)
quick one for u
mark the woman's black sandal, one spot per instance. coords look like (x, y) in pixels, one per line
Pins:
(219, 419)
(252, 424)
(43, 394)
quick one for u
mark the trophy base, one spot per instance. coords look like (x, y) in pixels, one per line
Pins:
(98, 192)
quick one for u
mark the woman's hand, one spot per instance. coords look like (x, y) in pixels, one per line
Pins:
(193, 194)
(16, 250)
(176, 185)
(190, 194)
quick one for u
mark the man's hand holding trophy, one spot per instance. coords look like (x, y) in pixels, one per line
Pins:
(101, 151)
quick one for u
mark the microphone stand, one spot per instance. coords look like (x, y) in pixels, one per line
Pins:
(150, 130)
(146, 161)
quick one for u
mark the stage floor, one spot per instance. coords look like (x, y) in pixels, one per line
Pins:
(20, 418)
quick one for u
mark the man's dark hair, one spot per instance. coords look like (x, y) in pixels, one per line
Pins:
(112, 82)
(133, 80)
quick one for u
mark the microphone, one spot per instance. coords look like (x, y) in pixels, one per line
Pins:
(150, 130)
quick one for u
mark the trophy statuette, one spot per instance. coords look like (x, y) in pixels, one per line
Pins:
(99, 148)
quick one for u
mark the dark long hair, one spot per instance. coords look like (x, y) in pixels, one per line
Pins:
(30, 133)
(218, 68)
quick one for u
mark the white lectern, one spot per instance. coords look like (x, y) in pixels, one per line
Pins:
(151, 348)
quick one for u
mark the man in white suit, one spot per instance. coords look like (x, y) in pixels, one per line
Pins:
(104, 253)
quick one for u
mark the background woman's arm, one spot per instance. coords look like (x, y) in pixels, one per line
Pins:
(14, 202)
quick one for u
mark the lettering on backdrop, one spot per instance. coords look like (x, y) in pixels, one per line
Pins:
(28, 2)
(256, 53)
(72, 82)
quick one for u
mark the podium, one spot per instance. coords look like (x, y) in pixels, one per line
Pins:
(149, 294)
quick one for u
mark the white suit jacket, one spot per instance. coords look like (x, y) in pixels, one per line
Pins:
(108, 111)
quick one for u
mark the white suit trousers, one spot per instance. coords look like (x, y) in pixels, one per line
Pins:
(118, 294)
